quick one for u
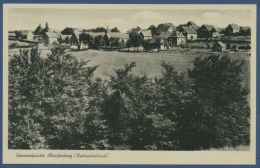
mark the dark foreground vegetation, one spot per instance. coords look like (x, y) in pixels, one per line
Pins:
(57, 103)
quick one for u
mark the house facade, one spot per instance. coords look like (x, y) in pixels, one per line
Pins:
(232, 28)
(49, 37)
(74, 40)
(159, 43)
(177, 38)
(206, 31)
(146, 35)
(26, 34)
(189, 33)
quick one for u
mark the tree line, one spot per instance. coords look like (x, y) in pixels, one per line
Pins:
(58, 103)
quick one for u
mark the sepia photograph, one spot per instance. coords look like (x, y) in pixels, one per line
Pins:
(127, 79)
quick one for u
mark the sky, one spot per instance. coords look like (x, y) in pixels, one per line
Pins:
(123, 19)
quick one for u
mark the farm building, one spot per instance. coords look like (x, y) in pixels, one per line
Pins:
(74, 40)
(206, 31)
(219, 46)
(189, 33)
(63, 38)
(26, 34)
(232, 28)
(146, 34)
(177, 38)
(122, 37)
(49, 37)
(159, 43)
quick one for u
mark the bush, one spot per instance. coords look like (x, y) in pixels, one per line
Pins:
(14, 45)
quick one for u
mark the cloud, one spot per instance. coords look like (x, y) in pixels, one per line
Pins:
(148, 16)
(213, 15)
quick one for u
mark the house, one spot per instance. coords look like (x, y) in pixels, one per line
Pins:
(74, 40)
(232, 28)
(26, 34)
(206, 31)
(219, 46)
(159, 43)
(146, 34)
(61, 38)
(164, 29)
(167, 36)
(177, 38)
(121, 36)
(49, 37)
(190, 24)
(189, 33)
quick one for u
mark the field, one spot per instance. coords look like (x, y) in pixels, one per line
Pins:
(147, 63)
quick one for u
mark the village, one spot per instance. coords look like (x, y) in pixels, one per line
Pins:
(164, 37)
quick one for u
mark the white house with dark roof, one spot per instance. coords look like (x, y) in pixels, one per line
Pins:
(49, 37)
(189, 33)
(164, 29)
(146, 34)
(232, 28)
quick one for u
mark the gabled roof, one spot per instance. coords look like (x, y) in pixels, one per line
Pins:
(76, 34)
(209, 27)
(191, 22)
(163, 28)
(165, 35)
(189, 30)
(221, 44)
(234, 26)
(117, 35)
(51, 35)
(154, 39)
(147, 33)
(195, 27)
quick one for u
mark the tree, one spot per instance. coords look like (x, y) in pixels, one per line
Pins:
(128, 44)
(67, 40)
(220, 105)
(46, 29)
(228, 46)
(38, 30)
(115, 30)
(136, 40)
(18, 34)
(153, 29)
(145, 44)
